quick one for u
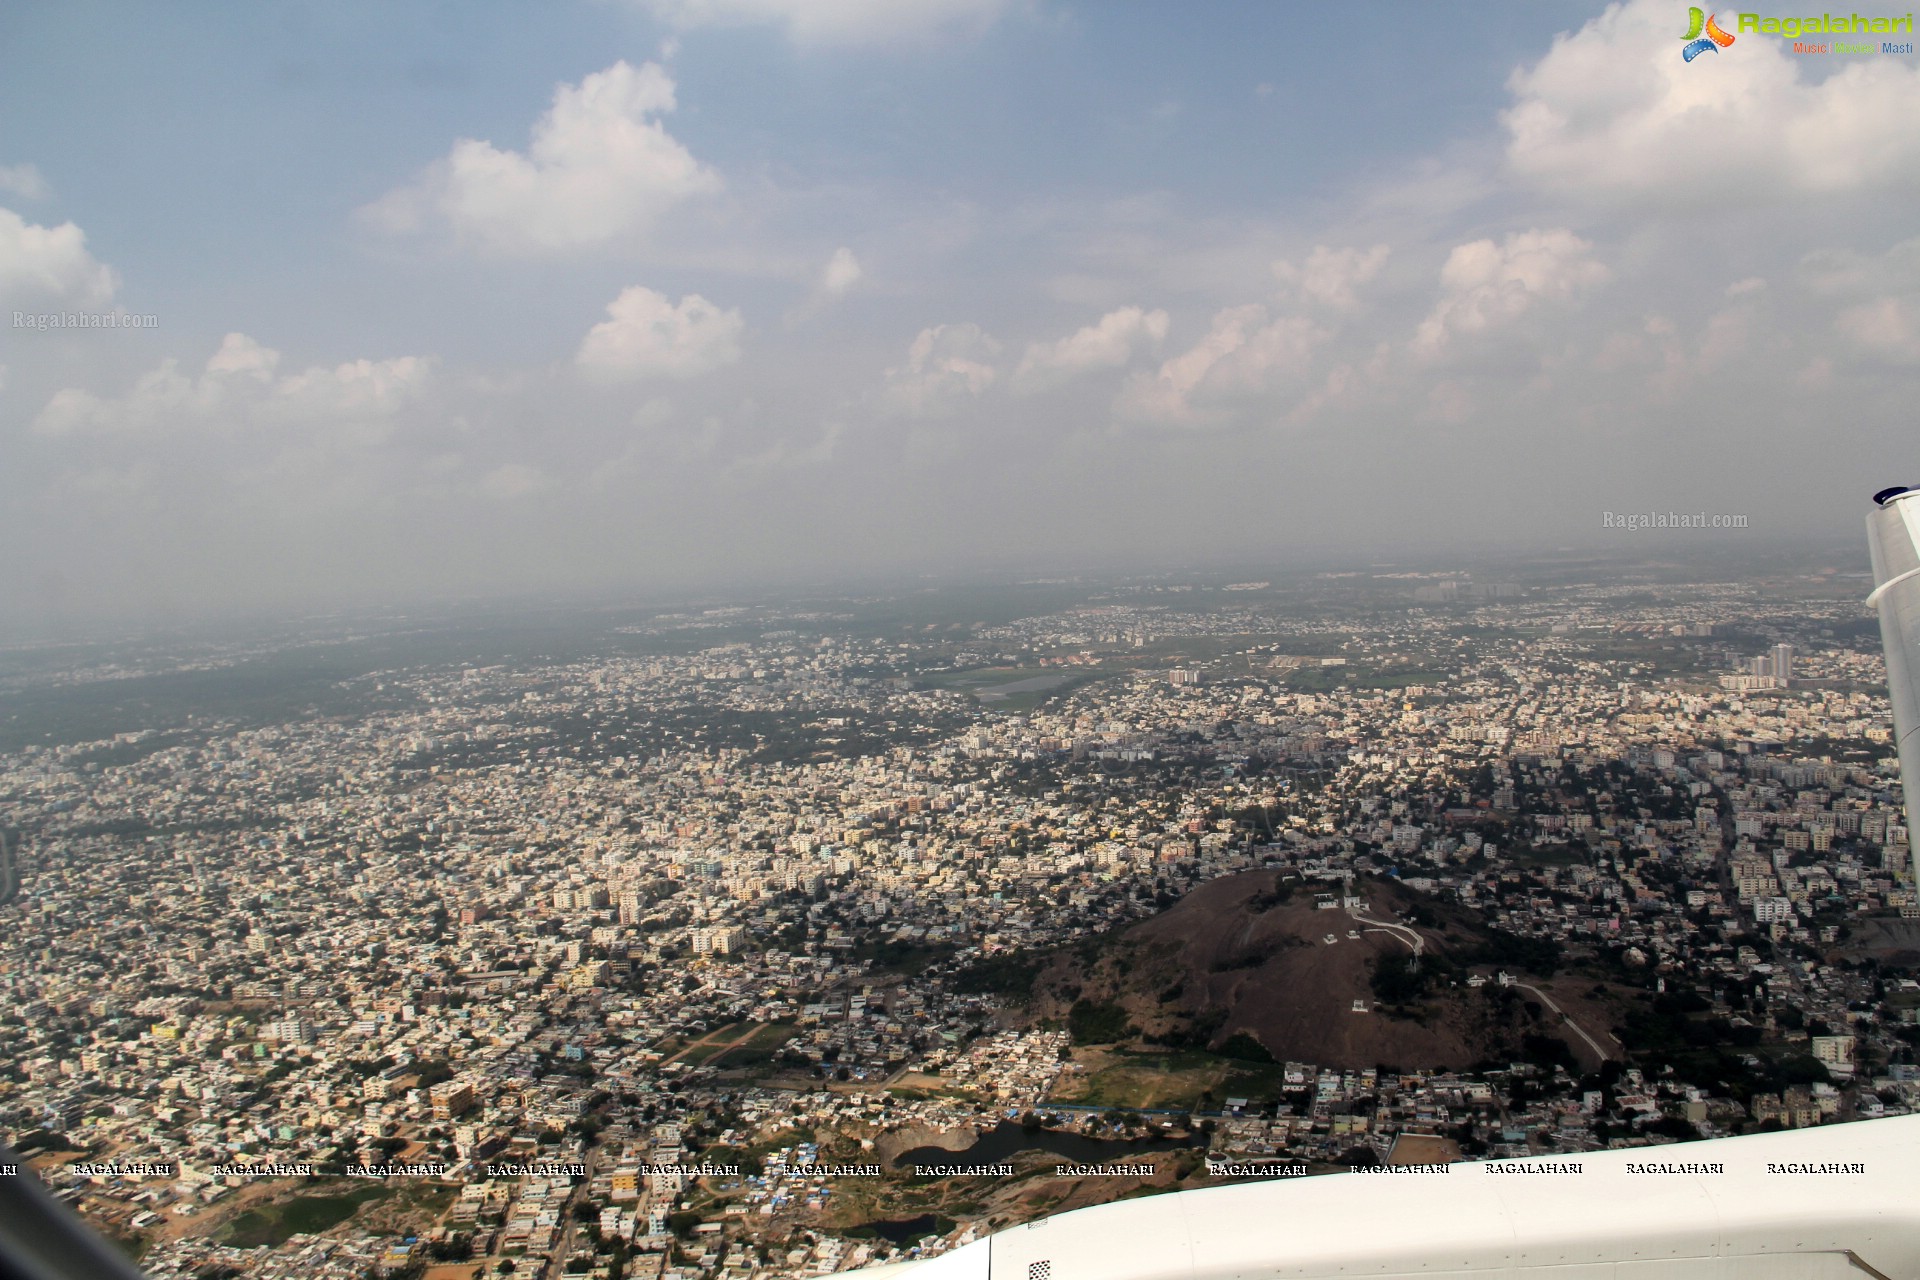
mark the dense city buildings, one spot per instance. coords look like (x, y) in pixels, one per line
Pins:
(767, 941)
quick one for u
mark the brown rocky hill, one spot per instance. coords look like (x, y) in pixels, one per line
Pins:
(1249, 955)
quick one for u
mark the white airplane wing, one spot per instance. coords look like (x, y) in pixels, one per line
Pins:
(1831, 1203)
(1893, 538)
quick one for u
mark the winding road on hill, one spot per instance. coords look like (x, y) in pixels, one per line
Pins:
(1409, 936)
(1566, 1018)
(1413, 939)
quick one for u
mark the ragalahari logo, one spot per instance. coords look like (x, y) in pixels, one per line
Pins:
(1712, 42)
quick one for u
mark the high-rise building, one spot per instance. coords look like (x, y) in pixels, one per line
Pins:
(450, 1098)
(293, 1028)
(1781, 661)
(720, 940)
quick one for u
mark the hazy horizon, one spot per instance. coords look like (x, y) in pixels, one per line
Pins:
(1688, 557)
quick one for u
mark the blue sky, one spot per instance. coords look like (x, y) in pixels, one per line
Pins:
(637, 294)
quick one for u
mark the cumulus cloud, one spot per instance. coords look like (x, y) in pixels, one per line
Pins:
(241, 356)
(1332, 276)
(1246, 354)
(600, 166)
(1613, 110)
(240, 389)
(840, 274)
(836, 22)
(947, 365)
(1486, 285)
(646, 335)
(1886, 327)
(1845, 272)
(360, 389)
(513, 480)
(1878, 297)
(23, 180)
(1106, 344)
(50, 265)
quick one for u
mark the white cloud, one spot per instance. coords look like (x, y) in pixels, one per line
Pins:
(1486, 285)
(840, 274)
(513, 480)
(162, 398)
(25, 181)
(837, 22)
(1844, 272)
(239, 354)
(785, 455)
(1613, 110)
(1879, 297)
(358, 389)
(947, 365)
(838, 277)
(1886, 327)
(1106, 344)
(599, 167)
(1246, 355)
(646, 335)
(50, 265)
(238, 390)
(1332, 276)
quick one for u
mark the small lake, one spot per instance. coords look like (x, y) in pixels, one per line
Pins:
(1001, 1144)
(899, 1231)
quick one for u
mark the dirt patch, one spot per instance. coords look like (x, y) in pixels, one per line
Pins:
(1890, 941)
(1254, 955)
(889, 1145)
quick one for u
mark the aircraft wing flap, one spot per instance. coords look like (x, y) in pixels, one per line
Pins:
(1893, 539)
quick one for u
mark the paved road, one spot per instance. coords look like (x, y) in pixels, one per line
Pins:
(1409, 936)
(1414, 940)
(563, 1243)
(1568, 1019)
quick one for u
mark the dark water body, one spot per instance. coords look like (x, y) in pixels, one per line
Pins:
(1007, 1140)
(900, 1231)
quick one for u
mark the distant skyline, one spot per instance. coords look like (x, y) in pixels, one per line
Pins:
(659, 295)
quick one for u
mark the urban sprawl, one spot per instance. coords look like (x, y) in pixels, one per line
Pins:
(674, 959)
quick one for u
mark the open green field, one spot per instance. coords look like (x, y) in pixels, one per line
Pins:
(424, 1199)
(759, 1047)
(305, 1214)
(894, 956)
(1551, 855)
(738, 1044)
(916, 1087)
(1176, 1080)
